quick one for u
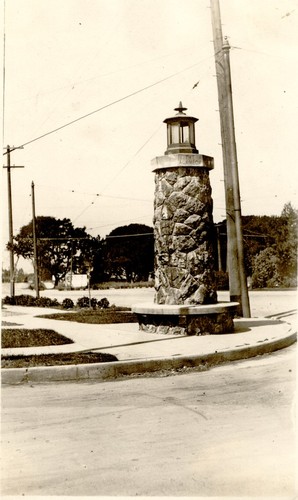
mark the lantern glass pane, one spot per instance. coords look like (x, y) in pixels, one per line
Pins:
(175, 133)
(185, 133)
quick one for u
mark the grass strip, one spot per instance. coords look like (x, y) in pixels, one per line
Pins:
(99, 317)
(23, 337)
(55, 359)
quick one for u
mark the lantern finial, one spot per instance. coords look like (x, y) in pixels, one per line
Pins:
(180, 109)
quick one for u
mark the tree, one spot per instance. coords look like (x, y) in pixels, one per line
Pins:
(98, 273)
(278, 233)
(286, 245)
(60, 247)
(5, 275)
(20, 276)
(265, 269)
(129, 253)
(259, 232)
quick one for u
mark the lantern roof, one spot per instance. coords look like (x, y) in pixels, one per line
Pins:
(181, 116)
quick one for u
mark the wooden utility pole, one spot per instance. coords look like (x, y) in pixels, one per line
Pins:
(235, 259)
(35, 255)
(10, 221)
(235, 179)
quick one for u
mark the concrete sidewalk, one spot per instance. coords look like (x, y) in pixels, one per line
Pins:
(138, 351)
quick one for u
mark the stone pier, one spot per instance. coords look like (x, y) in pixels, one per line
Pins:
(183, 230)
(184, 239)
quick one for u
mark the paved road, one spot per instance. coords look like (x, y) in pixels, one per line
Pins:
(262, 302)
(225, 432)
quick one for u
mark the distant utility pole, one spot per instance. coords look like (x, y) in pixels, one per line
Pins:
(235, 254)
(10, 220)
(34, 243)
(219, 261)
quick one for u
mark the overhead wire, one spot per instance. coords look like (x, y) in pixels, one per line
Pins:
(70, 86)
(122, 169)
(118, 222)
(105, 106)
(83, 63)
(118, 173)
(110, 104)
(108, 237)
(99, 109)
(83, 211)
(130, 160)
(100, 195)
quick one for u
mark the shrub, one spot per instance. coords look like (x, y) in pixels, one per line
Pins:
(54, 303)
(25, 300)
(28, 300)
(103, 303)
(67, 304)
(10, 301)
(93, 303)
(83, 302)
(43, 302)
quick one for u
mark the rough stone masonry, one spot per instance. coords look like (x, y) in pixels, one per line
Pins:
(183, 232)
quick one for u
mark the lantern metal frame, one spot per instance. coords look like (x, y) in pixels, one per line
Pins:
(181, 133)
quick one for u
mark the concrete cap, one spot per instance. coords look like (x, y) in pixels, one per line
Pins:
(182, 160)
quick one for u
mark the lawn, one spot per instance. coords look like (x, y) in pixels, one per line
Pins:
(97, 316)
(55, 359)
(21, 337)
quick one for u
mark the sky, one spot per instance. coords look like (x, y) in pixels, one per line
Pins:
(117, 69)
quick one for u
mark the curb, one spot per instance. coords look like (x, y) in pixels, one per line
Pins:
(113, 370)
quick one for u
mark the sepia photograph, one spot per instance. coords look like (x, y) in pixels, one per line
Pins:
(149, 229)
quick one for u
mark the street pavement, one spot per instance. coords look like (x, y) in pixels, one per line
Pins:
(227, 432)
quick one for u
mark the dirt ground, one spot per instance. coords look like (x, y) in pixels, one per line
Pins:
(226, 432)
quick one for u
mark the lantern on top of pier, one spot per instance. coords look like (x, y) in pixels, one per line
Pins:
(181, 132)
